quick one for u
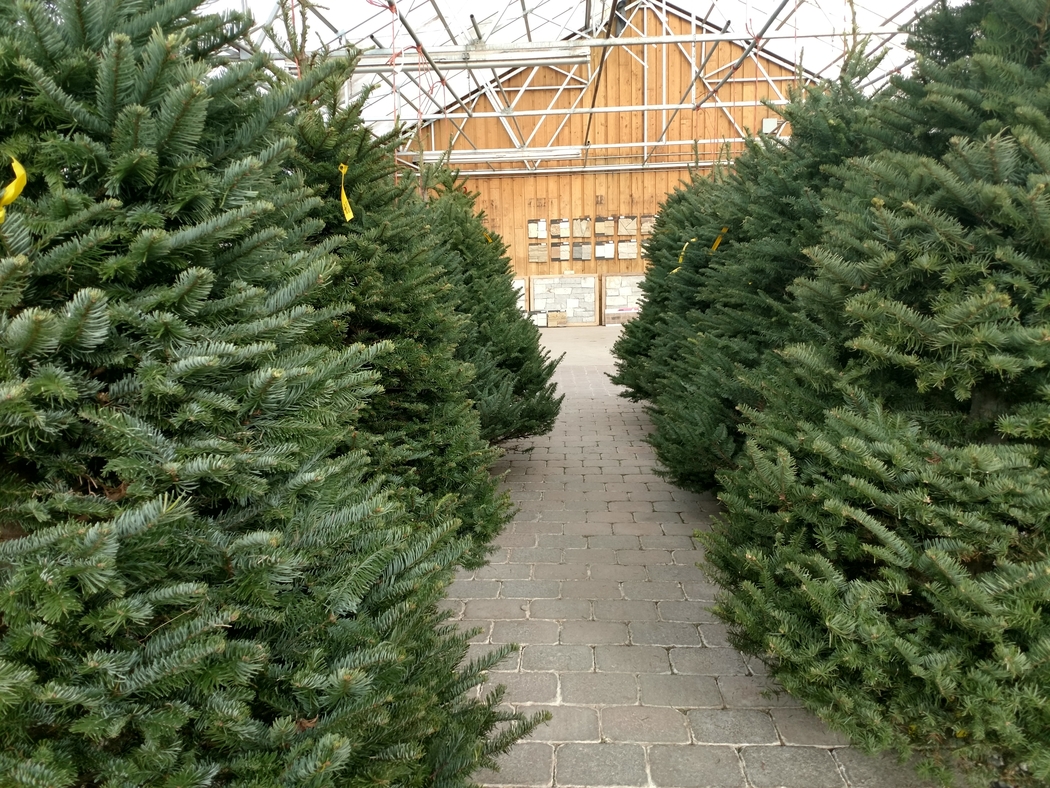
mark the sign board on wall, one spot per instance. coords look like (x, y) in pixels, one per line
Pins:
(627, 250)
(622, 296)
(575, 296)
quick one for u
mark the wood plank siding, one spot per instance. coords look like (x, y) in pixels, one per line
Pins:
(624, 171)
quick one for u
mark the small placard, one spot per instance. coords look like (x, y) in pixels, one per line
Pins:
(581, 228)
(628, 250)
(559, 228)
(605, 225)
(537, 228)
(537, 253)
(605, 250)
(647, 224)
(561, 251)
(627, 225)
(581, 250)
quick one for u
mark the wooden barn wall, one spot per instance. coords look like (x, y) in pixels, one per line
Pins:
(630, 178)
(510, 203)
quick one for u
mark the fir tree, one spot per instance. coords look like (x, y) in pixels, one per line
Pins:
(886, 542)
(724, 252)
(424, 433)
(683, 229)
(946, 33)
(204, 580)
(512, 386)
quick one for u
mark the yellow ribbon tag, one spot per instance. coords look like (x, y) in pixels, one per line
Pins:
(718, 240)
(681, 255)
(13, 189)
(487, 236)
(348, 212)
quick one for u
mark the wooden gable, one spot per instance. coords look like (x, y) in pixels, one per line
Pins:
(642, 143)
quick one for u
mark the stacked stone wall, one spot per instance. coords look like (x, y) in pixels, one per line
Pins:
(622, 297)
(576, 296)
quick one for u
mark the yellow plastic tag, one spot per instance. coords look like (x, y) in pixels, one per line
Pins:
(348, 212)
(488, 237)
(718, 240)
(13, 189)
(681, 255)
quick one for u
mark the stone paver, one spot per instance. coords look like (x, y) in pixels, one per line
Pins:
(696, 767)
(528, 763)
(567, 723)
(771, 767)
(644, 724)
(732, 726)
(591, 765)
(596, 580)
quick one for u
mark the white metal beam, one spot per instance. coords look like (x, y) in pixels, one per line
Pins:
(510, 46)
(475, 57)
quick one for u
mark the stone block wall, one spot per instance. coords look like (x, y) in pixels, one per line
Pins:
(576, 296)
(622, 296)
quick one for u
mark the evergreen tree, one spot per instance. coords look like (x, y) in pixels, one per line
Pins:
(724, 252)
(886, 541)
(946, 33)
(683, 231)
(204, 581)
(512, 386)
(424, 433)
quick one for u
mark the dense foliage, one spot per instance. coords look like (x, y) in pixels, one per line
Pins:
(392, 286)
(512, 386)
(723, 252)
(885, 545)
(464, 368)
(207, 579)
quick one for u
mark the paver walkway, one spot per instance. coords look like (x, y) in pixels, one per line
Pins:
(596, 579)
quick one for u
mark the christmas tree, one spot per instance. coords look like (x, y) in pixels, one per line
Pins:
(724, 252)
(512, 386)
(205, 579)
(424, 433)
(886, 546)
(684, 223)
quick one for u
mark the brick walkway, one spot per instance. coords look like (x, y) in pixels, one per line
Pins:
(596, 580)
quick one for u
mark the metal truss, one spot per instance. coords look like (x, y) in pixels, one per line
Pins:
(430, 63)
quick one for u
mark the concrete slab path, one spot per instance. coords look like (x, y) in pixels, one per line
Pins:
(596, 579)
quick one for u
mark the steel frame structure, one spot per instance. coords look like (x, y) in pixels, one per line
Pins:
(460, 74)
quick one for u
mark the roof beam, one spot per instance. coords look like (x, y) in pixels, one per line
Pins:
(525, 18)
(568, 53)
(470, 58)
(426, 54)
(572, 111)
(747, 51)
